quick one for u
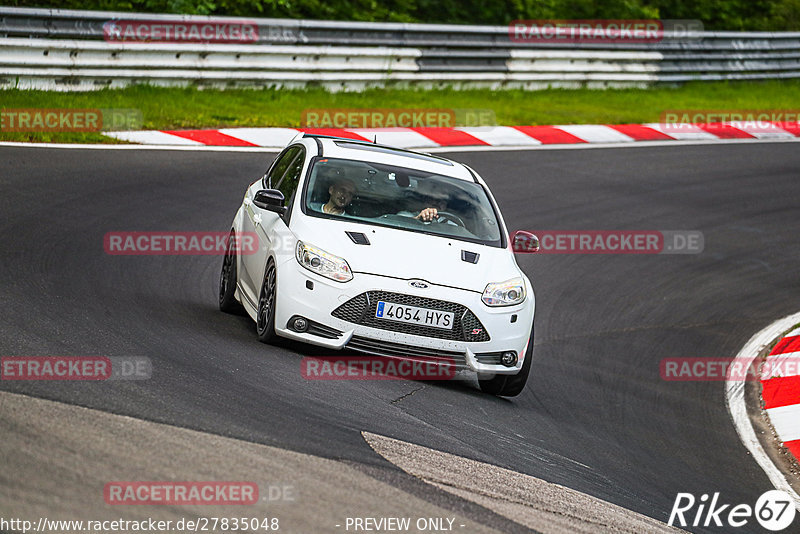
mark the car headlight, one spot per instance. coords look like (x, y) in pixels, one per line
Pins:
(323, 263)
(505, 293)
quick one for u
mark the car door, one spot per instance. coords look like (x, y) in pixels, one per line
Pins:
(268, 225)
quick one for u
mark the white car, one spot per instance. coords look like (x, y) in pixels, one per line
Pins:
(384, 251)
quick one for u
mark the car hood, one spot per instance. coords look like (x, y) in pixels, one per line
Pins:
(409, 255)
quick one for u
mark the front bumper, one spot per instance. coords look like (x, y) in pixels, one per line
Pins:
(503, 328)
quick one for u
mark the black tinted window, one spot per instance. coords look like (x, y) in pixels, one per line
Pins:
(279, 169)
(287, 184)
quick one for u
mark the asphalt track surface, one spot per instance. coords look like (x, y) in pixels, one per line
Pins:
(595, 417)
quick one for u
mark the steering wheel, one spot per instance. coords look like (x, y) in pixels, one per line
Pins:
(447, 216)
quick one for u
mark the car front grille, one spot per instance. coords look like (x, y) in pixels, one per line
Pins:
(361, 310)
(408, 352)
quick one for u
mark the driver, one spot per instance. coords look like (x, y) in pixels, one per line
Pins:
(431, 200)
(434, 205)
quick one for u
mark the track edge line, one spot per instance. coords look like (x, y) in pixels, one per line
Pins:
(735, 401)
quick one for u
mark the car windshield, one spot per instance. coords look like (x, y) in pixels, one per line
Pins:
(391, 196)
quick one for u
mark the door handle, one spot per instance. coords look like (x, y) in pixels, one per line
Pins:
(257, 219)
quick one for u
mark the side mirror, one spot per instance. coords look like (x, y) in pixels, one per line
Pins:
(523, 242)
(271, 200)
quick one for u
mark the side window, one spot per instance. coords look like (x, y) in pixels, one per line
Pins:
(288, 183)
(291, 178)
(279, 168)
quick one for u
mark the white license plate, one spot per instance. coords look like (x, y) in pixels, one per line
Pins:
(414, 315)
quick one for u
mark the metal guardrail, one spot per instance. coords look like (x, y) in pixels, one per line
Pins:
(60, 49)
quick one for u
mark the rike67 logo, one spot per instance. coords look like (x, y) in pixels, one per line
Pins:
(774, 510)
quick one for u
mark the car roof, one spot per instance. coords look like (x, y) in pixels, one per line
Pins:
(354, 149)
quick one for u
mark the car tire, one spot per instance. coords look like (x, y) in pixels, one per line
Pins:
(227, 280)
(265, 315)
(509, 385)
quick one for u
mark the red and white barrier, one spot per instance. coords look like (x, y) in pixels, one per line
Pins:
(781, 391)
(511, 136)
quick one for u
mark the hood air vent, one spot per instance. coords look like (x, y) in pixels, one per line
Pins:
(358, 238)
(469, 257)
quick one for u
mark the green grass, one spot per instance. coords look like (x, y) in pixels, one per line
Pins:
(187, 108)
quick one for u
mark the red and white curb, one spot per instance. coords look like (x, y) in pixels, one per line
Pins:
(498, 136)
(781, 394)
(734, 395)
